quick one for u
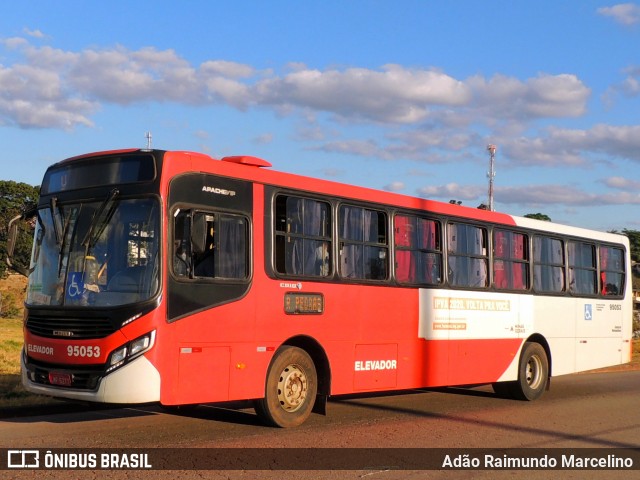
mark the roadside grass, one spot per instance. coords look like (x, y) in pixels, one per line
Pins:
(12, 395)
(10, 346)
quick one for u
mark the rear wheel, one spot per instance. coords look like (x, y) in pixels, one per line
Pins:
(533, 373)
(290, 389)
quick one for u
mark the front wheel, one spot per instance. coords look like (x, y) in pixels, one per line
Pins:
(290, 389)
(533, 373)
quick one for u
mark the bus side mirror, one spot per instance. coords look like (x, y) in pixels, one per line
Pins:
(199, 233)
(12, 239)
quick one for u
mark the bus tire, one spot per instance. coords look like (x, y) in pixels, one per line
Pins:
(533, 373)
(290, 388)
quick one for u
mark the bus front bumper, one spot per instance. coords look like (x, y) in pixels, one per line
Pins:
(136, 382)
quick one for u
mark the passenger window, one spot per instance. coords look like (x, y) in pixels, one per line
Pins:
(548, 270)
(612, 274)
(467, 255)
(364, 245)
(582, 268)
(418, 250)
(302, 237)
(510, 260)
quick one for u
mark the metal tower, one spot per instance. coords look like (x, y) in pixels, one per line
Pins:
(491, 173)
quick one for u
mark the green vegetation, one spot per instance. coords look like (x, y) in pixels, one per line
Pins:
(538, 216)
(9, 305)
(634, 239)
(15, 199)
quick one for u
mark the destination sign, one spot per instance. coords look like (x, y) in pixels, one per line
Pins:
(296, 303)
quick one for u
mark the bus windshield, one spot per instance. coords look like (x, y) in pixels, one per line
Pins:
(97, 254)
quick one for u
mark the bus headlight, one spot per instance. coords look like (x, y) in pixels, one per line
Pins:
(118, 356)
(131, 350)
(139, 345)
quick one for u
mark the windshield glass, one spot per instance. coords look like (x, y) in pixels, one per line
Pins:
(100, 253)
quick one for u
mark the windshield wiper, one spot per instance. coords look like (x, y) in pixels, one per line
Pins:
(59, 230)
(57, 222)
(100, 220)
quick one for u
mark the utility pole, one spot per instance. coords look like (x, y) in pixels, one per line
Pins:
(148, 137)
(491, 173)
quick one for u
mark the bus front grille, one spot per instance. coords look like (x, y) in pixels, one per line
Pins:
(70, 328)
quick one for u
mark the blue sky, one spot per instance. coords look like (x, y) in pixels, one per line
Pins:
(402, 96)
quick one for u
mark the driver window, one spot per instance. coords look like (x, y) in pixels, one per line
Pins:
(209, 245)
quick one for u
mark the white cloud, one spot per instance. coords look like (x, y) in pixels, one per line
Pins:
(440, 147)
(545, 96)
(454, 191)
(53, 88)
(310, 131)
(365, 148)
(423, 138)
(227, 69)
(408, 96)
(124, 77)
(544, 150)
(395, 94)
(574, 147)
(531, 196)
(201, 134)
(14, 43)
(624, 13)
(395, 187)
(499, 101)
(536, 195)
(392, 95)
(263, 139)
(629, 87)
(622, 183)
(551, 147)
(33, 33)
(35, 97)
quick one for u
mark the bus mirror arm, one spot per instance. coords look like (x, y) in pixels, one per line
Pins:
(12, 238)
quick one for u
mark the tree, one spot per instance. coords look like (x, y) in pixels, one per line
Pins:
(634, 243)
(15, 199)
(538, 216)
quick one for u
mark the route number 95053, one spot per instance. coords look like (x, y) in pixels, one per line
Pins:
(87, 351)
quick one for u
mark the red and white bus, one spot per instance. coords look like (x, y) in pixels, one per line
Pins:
(172, 277)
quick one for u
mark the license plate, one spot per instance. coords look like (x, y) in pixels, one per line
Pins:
(61, 379)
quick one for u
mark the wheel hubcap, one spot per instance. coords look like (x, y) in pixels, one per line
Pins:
(534, 369)
(292, 388)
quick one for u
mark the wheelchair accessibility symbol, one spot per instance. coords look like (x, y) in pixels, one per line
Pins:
(75, 286)
(588, 311)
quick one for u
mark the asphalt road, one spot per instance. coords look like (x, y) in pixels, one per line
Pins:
(597, 410)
